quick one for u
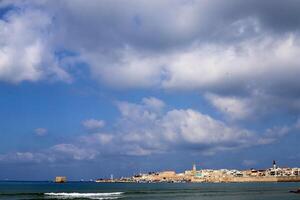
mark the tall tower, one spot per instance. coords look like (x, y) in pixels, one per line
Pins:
(274, 164)
(194, 168)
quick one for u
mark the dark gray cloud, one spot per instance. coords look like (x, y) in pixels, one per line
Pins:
(163, 25)
(279, 16)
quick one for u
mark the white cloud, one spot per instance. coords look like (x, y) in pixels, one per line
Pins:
(97, 138)
(141, 127)
(244, 79)
(235, 66)
(129, 47)
(153, 103)
(137, 150)
(241, 78)
(232, 107)
(74, 152)
(157, 131)
(272, 134)
(41, 131)
(93, 124)
(147, 130)
(136, 71)
(243, 65)
(150, 108)
(57, 153)
(26, 157)
(26, 53)
(196, 128)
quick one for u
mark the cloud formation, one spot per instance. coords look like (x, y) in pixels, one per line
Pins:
(156, 130)
(41, 131)
(73, 152)
(241, 53)
(93, 124)
(241, 56)
(149, 128)
(26, 52)
(63, 152)
(233, 107)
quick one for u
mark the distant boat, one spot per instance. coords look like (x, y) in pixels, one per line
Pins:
(60, 179)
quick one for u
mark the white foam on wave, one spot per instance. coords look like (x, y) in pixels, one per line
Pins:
(65, 195)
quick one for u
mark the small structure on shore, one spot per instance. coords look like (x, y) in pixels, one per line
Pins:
(60, 179)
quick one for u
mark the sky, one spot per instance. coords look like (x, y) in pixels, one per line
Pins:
(94, 88)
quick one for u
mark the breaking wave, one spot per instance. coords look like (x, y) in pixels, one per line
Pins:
(74, 195)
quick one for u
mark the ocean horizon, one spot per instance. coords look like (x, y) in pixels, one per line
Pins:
(29, 190)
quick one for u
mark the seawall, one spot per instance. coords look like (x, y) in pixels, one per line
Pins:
(267, 179)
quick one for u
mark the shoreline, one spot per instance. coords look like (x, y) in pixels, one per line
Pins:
(219, 180)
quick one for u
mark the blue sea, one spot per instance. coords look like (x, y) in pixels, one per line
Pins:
(145, 191)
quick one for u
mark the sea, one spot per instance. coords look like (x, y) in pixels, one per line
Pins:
(15, 190)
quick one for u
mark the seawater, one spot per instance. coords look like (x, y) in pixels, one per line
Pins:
(126, 191)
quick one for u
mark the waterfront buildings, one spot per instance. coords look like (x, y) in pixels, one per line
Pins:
(273, 174)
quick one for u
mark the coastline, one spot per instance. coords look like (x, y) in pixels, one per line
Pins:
(212, 180)
(273, 174)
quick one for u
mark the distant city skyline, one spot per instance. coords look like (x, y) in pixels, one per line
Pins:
(94, 88)
(194, 175)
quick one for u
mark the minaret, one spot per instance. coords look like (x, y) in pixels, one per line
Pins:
(274, 164)
(194, 168)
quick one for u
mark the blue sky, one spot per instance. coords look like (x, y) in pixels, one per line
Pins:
(94, 88)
